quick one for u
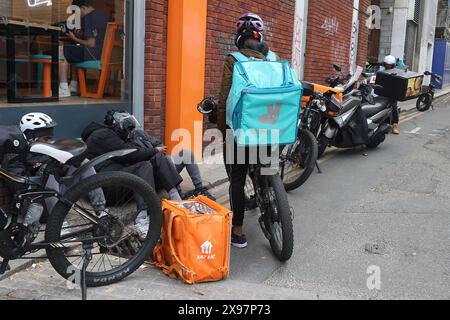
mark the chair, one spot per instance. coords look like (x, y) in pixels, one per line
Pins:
(104, 65)
(45, 72)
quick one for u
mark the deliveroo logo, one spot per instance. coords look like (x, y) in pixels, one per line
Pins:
(273, 114)
(37, 3)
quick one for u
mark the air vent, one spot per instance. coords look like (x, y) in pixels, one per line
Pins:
(417, 11)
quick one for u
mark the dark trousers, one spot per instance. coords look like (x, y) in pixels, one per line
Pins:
(395, 116)
(143, 170)
(159, 172)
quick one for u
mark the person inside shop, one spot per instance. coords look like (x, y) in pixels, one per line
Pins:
(390, 62)
(86, 46)
(250, 42)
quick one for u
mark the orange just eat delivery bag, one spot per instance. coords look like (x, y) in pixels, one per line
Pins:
(195, 247)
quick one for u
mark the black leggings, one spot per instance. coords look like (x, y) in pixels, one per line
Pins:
(237, 170)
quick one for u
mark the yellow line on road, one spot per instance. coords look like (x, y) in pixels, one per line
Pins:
(411, 116)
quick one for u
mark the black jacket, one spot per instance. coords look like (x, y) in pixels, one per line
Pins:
(101, 139)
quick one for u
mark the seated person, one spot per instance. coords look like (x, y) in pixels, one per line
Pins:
(184, 160)
(38, 127)
(151, 164)
(88, 47)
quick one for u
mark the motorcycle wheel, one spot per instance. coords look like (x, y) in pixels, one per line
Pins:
(424, 102)
(375, 144)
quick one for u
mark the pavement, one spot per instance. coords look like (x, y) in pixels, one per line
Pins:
(395, 198)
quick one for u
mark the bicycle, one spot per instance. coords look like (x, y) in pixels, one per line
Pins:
(425, 100)
(297, 161)
(83, 246)
(266, 192)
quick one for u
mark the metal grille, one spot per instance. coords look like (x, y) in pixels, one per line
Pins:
(417, 11)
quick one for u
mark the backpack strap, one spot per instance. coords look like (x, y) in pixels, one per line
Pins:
(271, 56)
(238, 56)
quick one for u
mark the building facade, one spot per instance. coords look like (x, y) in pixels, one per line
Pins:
(168, 55)
(407, 31)
(304, 32)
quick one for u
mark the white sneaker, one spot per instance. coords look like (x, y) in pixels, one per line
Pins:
(74, 88)
(141, 225)
(64, 93)
(65, 230)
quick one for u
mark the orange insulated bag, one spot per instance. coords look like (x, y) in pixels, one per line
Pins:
(195, 245)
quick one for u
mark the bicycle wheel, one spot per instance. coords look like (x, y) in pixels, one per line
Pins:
(278, 221)
(119, 246)
(299, 160)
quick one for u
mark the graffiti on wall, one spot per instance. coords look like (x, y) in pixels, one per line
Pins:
(331, 26)
(297, 57)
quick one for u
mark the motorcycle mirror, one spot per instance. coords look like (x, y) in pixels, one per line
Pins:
(337, 68)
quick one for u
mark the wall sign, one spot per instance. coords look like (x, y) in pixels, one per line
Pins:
(38, 3)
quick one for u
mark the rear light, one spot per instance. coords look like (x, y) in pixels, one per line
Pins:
(332, 114)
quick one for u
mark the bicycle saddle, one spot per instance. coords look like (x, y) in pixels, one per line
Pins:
(62, 150)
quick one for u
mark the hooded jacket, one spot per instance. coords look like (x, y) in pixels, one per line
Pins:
(259, 52)
(101, 139)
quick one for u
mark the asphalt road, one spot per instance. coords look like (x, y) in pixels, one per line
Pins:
(396, 197)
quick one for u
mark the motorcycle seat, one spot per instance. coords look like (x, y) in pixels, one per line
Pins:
(381, 103)
(62, 150)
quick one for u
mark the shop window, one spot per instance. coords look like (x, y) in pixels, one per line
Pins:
(35, 72)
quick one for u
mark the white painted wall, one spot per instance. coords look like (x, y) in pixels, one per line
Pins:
(401, 8)
(354, 37)
(428, 22)
(138, 59)
(299, 41)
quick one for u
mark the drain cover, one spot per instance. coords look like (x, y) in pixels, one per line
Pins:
(375, 248)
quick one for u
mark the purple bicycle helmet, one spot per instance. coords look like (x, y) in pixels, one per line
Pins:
(250, 20)
(249, 25)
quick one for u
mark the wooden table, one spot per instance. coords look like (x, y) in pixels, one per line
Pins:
(13, 28)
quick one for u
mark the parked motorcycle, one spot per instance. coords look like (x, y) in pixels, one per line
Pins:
(425, 101)
(361, 118)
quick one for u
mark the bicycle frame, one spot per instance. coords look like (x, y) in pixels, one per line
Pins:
(34, 190)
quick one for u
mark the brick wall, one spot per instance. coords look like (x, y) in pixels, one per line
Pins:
(328, 42)
(328, 37)
(155, 66)
(222, 16)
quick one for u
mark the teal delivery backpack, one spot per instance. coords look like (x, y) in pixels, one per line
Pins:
(264, 104)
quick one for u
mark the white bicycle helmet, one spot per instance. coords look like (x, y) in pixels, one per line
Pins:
(37, 124)
(390, 60)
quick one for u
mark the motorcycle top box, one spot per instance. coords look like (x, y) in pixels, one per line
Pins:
(399, 85)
